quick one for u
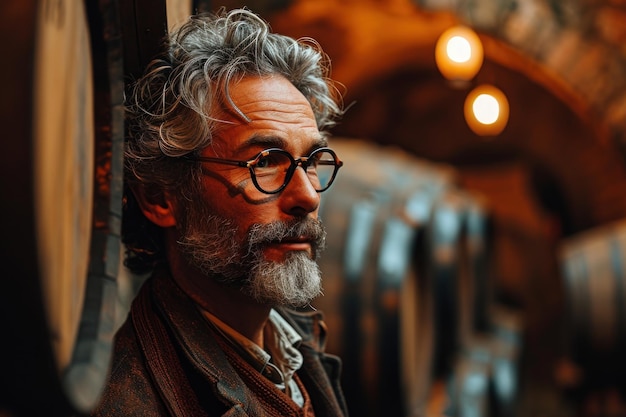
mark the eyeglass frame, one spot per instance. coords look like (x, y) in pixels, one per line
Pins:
(295, 162)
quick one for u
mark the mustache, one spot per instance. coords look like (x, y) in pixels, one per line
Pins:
(277, 231)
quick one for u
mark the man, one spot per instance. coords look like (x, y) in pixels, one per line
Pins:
(225, 161)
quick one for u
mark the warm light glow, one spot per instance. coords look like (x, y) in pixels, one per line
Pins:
(459, 53)
(459, 49)
(486, 110)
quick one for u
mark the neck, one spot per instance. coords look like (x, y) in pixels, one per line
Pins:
(229, 304)
(235, 309)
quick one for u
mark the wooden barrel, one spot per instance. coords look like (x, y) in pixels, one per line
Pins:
(485, 378)
(478, 343)
(594, 273)
(478, 241)
(378, 307)
(506, 334)
(62, 109)
(62, 180)
(468, 386)
(457, 265)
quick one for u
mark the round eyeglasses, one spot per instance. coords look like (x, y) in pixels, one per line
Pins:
(272, 169)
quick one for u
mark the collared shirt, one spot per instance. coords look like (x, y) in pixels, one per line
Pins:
(281, 359)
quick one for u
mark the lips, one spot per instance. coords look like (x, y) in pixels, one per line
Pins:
(278, 250)
(300, 239)
(294, 244)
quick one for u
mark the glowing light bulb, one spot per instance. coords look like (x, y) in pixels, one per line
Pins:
(459, 49)
(486, 110)
(459, 53)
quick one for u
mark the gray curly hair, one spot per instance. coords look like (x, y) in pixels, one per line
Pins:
(172, 110)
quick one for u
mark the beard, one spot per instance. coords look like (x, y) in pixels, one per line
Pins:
(210, 244)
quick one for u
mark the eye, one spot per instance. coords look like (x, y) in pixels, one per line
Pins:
(263, 162)
(269, 160)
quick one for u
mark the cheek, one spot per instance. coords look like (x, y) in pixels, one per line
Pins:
(242, 181)
(242, 208)
(245, 216)
(240, 202)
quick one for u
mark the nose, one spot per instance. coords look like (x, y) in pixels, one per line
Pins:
(299, 197)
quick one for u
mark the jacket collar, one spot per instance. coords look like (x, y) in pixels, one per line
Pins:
(200, 347)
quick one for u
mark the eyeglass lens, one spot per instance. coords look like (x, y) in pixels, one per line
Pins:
(276, 167)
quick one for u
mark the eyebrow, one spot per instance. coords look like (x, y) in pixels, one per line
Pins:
(272, 141)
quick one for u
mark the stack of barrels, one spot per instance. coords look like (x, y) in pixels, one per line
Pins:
(62, 174)
(62, 115)
(408, 292)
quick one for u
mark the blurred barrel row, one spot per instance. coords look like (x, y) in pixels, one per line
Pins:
(408, 290)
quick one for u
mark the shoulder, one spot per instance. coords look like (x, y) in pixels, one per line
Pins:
(129, 391)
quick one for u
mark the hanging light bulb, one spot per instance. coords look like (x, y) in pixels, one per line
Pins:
(459, 54)
(486, 110)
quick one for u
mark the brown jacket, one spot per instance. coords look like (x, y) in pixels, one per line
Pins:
(168, 362)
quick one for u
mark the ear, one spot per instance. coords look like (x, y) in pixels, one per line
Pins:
(157, 206)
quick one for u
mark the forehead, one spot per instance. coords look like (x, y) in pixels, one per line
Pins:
(276, 111)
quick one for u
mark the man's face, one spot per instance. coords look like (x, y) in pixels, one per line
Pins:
(265, 244)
